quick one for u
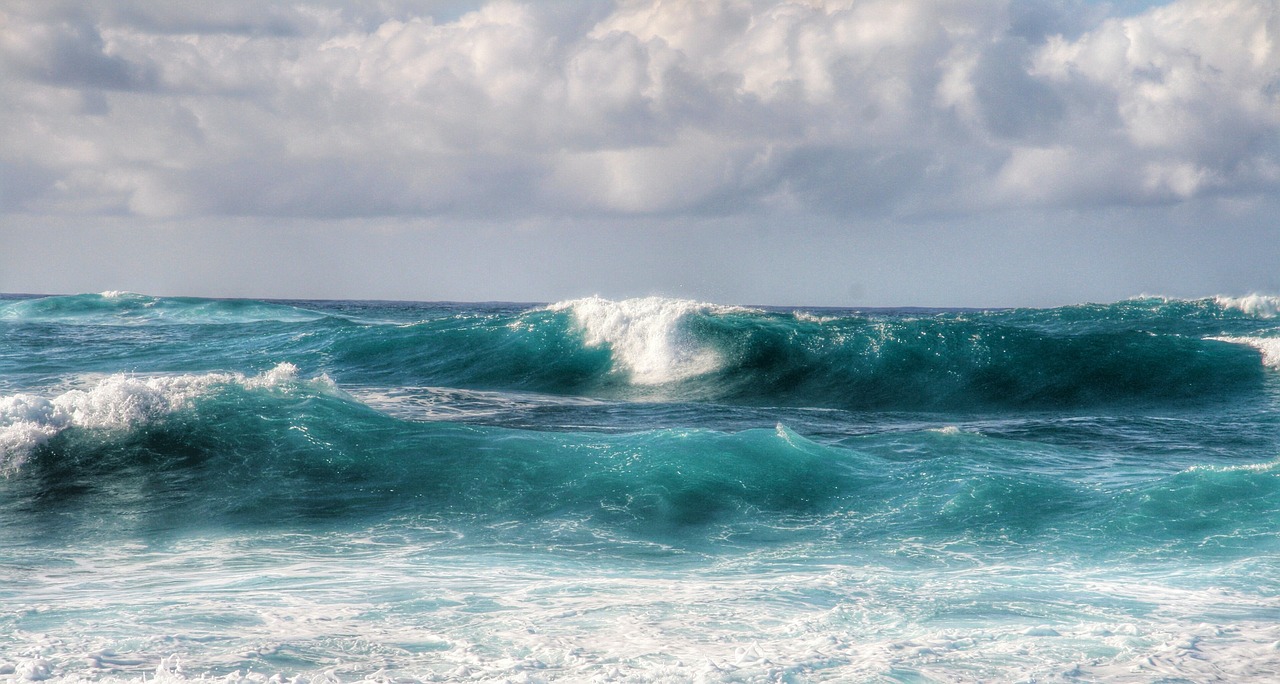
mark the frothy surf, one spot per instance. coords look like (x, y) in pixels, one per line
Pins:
(650, 338)
(752, 621)
(1268, 346)
(645, 490)
(1262, 306)
(118, 402)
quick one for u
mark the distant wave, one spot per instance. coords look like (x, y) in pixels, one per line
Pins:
(1262, 306)
(1051, 357)
(129, 308)
(649, 338)
(657, 349)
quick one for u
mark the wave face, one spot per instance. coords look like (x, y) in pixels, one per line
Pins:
(640, 490)
(262, 450)
(668, 350)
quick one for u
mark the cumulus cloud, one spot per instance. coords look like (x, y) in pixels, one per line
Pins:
(860, 107)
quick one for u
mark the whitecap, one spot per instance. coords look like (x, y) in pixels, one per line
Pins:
(116, 402)
(1269, 346)
(808, 317)
(1262, 306)
(647, 335)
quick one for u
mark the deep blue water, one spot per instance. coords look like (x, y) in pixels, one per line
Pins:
(642, 490)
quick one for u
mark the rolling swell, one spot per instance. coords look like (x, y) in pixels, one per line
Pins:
(178, 453)
(128, 308)
(673, 350)
(270, 448)
(1141, 352)
(491, 491)
(963, 363)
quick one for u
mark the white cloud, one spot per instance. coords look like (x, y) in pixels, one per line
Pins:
(717, 106)
(1192, 93)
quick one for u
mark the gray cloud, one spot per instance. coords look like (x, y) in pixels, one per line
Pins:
(69, 54)
(721, 107)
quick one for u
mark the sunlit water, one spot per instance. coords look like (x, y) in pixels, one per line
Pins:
(637, 491)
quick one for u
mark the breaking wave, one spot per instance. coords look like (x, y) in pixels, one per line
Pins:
(111, 405)
(1136, 352)
(270, 449)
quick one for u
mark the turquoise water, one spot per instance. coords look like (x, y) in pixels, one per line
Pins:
(647, 490)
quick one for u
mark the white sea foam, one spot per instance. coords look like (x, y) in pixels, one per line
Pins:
(451, 403)
(647, 336)
(484, 622)
(116, 402)
(809, 317)
(1269, 346)
(1262, 306)
(1257, 305)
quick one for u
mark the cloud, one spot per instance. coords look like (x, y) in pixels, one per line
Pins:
(862, 108)
(1190, 96)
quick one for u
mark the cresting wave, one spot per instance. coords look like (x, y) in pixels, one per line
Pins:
(186, 451)
(646, 490)
(1142, 351)
(1262, 306)
(649, 338)
(931, 360)
(115, 404)
(1269, 347)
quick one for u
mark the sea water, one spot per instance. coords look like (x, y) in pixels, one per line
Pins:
(649, 490)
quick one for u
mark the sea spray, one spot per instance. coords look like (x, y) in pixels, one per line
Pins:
(648, 338)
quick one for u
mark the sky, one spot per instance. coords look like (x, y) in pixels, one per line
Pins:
(786, 152)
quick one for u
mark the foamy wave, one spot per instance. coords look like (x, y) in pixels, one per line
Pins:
(1269, 346)
(1262, 306)
(647, 336)
(118, 402)
(809, 317)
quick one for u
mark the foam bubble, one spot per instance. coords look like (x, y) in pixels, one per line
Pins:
(117, 402)
(1262, 306)
(647, 336)
(1269, 346)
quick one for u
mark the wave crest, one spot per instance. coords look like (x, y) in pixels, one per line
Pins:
(1268, 346)
(648, 336)
(118, 402)
(1259, 305)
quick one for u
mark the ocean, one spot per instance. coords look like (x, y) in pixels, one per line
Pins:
(646, 490)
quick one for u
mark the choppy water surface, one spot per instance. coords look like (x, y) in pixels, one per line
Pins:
(638, 491)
